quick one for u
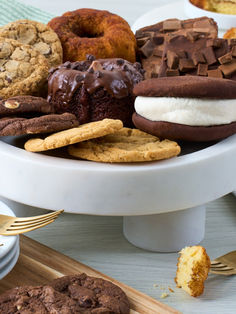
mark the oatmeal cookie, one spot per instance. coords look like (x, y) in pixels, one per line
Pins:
(82, 133)
(23, 70)
(125, 145)
(36, 34)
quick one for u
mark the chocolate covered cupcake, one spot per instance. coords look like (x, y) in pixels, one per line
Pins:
(95, 89)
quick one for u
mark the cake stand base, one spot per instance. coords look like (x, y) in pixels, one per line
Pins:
(168, 232)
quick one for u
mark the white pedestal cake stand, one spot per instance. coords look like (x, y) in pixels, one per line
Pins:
(162, 202)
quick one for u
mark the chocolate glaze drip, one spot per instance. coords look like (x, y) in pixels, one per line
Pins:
(67, 82)
(116, 76)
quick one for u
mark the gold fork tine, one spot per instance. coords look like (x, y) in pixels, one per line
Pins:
(224, 265)
(22, 219)
(30, 225)
(8, 233)
(33, 221)
(15, 225)
(220, 265)
(214, 263)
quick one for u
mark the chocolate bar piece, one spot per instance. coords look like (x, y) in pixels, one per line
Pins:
(229, 68)
(172, 60)
(215, 73)
(225, 58)
(209, 55)
(186, 65)
(151, 39)
(202, 69)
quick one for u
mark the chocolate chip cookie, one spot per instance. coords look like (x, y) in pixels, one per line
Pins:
(38, 35)
(93, 295)
(23, 70)
(10, 126)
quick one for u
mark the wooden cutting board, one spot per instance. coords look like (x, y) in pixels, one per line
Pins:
(38, 264)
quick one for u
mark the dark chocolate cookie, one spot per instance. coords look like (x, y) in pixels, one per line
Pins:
(45, 124)
(187, 86)
(94, 295)
(176, 131)
(41, 299)
(21, 105)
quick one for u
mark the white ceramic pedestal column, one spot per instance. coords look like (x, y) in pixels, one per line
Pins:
(168, 232)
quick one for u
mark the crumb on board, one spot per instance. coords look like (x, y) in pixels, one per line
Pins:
(171, 290)
(155, 285)
(164, 295)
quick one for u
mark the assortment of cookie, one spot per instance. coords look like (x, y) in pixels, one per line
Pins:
(181, 88)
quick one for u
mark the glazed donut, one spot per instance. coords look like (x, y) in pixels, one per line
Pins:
(96, 32)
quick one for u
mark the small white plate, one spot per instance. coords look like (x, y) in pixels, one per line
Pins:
(224, 21)
(7, 258)
(10, 265)
(7, 242)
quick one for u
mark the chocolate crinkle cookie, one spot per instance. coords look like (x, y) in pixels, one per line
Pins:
(95, 89)
(67, 295)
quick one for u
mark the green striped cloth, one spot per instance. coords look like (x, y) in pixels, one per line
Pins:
(11, 10)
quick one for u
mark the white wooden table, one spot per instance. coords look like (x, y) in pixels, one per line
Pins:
(99, 241)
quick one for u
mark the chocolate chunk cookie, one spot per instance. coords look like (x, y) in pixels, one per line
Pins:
(93, 295)
(41, 299)
(23, 70)
(22, 105)
(45, 124)
(38, 35)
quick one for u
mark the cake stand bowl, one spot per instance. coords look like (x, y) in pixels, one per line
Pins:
(163, 202)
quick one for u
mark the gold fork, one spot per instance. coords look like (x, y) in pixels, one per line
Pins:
(14, 225)
(224, 265)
